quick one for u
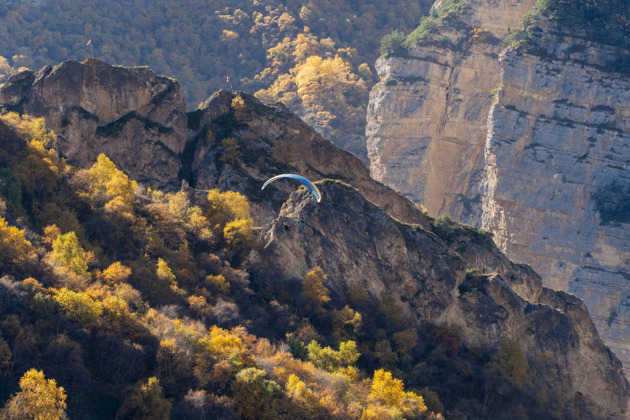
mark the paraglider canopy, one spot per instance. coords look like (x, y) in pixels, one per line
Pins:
(300, 179)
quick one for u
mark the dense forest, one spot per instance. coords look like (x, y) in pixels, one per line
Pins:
(316, 56)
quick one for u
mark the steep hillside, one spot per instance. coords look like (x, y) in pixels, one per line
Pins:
(170, 302)
(455, 278)
(529, 143)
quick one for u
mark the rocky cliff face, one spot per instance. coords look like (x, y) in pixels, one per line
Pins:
(132, 115)
(559, 135)
(356, 243)
(527, 147)
(427, 117)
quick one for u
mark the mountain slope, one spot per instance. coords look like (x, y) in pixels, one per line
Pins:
(486, 299)
(126, 294)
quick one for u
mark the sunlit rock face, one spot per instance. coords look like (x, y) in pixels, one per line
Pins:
(558, 141)
(524, 145)
(134, 116)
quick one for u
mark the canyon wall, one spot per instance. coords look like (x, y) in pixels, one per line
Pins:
(526, 145)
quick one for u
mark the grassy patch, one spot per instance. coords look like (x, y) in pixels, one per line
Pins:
(474, 280)
(432, 24)
(449, 230)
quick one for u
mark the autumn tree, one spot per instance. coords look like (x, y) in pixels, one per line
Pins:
(39, 398)
(254, 395)
(15, 250)
(299, 392)
(40, 169)
(239, 234)
(224, 207)
(79, 306)
(147, 403)
(315, 293)
(115, 273)
(331, 360)
(164, 272)
(389, 392)
(108, 187)
(239, 108)
(346, 323)
(68, 254)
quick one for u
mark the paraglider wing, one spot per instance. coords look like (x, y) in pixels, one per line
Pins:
(300, 179)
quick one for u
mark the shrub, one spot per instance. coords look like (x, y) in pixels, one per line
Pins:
(79, 307)
(613, 203)
(393, 44)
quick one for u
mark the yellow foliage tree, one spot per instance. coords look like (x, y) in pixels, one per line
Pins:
(223, 207)
(165, 273)
(15, 249)
(68, 254)
(346, 323)
(41, 168)
(389, 392)
(313, 289)
(220, 342)
(322, 86)
(239, 233)
(110, 187)
(303, 395)
(238, 105)
(331, 360)
(116, 273)
(39, 398)
(79, 306)
(255, 395)
(228, 213)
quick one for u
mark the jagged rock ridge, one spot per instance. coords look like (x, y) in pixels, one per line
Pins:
(356, 243)
(520, 144)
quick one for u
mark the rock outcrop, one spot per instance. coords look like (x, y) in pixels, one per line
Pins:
(269, 141)
(356, 243)
(138, 119)
(526, 145)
